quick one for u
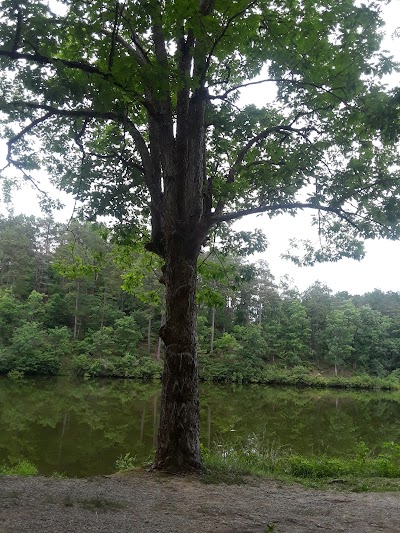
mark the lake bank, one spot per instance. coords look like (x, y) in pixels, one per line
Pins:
(233, 370)
(144, 502)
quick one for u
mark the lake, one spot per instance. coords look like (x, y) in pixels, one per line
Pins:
(80, 428)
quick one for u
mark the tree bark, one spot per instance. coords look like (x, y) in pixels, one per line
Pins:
(159, 344)
(179, 436)
(212, 330)
(103, 307)
(149, 335)
(76, 310)
(184, 222)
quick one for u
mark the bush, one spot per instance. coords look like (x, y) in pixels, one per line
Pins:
(128, 366)
(315, 468)
(227, 344)
(22, 468)
(34, 350)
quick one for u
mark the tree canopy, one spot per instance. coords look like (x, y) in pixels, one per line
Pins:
(109, 87)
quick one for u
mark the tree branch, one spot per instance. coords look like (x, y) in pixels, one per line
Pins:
(216, 219)
(158, 35)
(44, 60)
(242, 153)
(137, 53)
(18, 31)
(114, 34)
(254, 140)
(73, 113)
(16, 138)
(83, 66)
(283, 81)
(28, 128)
(87, 113)
(222, 34)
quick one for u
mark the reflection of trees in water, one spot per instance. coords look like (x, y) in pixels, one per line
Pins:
(62, 436)
(77, 427)
(142, 423)
(307, 421)
(81, 428)
(155, 420)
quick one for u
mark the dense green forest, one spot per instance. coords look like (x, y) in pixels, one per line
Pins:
(74, 301)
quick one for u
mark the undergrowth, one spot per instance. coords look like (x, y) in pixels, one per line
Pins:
(360, 472)
(227, 463)
(21, 468)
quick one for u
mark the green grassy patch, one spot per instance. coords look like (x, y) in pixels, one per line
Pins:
(361, 472)
(21, 468)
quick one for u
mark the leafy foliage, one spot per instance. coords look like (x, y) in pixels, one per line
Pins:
(264, 332)
(96, 84)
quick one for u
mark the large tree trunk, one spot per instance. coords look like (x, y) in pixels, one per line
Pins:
(178, 437)
(178, 231)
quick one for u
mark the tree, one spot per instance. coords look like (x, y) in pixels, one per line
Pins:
(371, 341)
(17, 253)
(317, 300)
(341, 326)
(80, 258)
(134, 108)
(294, 338)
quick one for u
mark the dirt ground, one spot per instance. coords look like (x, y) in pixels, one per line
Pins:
(144, 502)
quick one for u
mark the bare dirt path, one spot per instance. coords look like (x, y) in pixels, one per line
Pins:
(143, 502)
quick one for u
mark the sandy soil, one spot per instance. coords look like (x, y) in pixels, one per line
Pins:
(144, 502)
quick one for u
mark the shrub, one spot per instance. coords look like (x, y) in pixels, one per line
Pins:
(22, 468)
(125, 462)
(123, 367)
(34, 350)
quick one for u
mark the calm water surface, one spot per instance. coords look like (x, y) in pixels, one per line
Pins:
(81, 428)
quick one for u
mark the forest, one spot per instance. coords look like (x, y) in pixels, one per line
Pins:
(76, 300)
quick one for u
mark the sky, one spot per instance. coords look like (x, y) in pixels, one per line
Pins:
(380, 269)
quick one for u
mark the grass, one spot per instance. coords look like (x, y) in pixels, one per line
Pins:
(359, 473)
(231, 464)
(21, 468)
(25, 468)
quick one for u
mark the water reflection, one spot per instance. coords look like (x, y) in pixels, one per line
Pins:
(81, 428)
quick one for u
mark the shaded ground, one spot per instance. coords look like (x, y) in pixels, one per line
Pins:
(143, 502)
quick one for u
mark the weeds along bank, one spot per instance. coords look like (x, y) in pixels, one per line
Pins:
(364, 471)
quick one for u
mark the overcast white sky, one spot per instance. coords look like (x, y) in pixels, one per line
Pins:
(381, 267)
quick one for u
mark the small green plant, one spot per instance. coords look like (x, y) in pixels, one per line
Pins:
(362, 452)
(58, 475)
(391, 451)
(15, 375)
(22, 468)
(125, 462)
